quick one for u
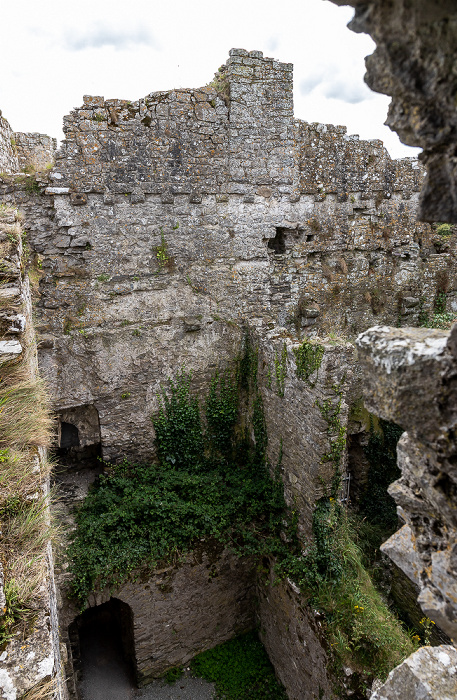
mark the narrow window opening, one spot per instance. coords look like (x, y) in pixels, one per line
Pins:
(310, 237)
(278, 243)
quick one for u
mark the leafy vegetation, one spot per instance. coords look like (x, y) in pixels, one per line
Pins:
(308, 357)
(163, 259)
(362, 631)
(240, 669)
(211, 483)
(138, 515)
(281, 369)
(441, 318)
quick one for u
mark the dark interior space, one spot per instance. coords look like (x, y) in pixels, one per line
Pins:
(103, 652)
(77, 457)
(69, 435)
(278, 243)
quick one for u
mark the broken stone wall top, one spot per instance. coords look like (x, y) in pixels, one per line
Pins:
(235, 136)
(8, 153)
(34, 151)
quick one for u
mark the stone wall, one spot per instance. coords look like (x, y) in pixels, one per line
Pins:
(8, 152)
(32, 656)
(414, 63)
(297, 430)
(180, 611)
(34, 151)
(294, 641)
(172, 224)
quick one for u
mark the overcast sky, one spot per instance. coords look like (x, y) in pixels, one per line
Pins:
(53, 52)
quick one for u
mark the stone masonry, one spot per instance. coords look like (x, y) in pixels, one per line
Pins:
(26, 663)
(171, 225)
(34, 151)
(8, 152)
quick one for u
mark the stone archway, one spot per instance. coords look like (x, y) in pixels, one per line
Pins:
(103, 652)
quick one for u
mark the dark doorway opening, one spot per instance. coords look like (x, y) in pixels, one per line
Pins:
(103, 652)
(69, 435)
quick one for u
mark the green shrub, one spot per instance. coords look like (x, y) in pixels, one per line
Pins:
(362, 631)
(141, 514)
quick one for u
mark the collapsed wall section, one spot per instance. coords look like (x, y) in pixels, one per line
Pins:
(34, 151)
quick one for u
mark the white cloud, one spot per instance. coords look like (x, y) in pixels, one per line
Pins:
(99, 35)
(344, 85)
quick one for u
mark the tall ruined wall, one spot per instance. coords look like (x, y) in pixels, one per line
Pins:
(170, 218)
(8, 153)
(171, 224)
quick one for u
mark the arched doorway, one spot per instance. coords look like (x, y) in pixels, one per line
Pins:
(103, 652)
(78, 438)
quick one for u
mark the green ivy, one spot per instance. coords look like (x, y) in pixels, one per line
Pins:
(337, 435)
(240, 670)
(139, 515)
(308, 357)
(179, 437)
(281, 369)
(222, 412)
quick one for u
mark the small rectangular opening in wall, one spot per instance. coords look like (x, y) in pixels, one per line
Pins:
(278, 243)
(310, 237)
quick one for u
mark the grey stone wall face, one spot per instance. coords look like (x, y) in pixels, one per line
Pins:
(31, 656)
(293, 638)
(8, 153)
(34, 151)
(180, 611)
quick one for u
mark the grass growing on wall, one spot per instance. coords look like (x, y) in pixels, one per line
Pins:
(240, 670)
(363, 633)
(25, 426)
